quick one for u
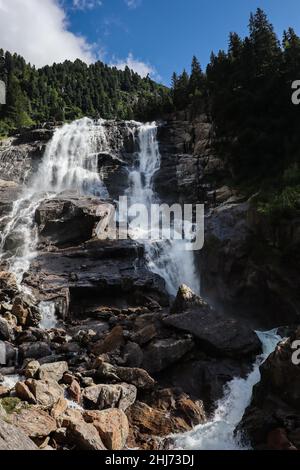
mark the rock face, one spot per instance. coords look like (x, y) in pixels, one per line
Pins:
(273, 417)
(249, 266)
(9, 191)
(70, 219)
(107, 359)
(188, 160)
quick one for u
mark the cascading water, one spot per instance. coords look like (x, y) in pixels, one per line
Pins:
(168, 258)
(70, 163)
(218, 434)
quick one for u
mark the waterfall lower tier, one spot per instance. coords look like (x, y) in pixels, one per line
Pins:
(168, 258)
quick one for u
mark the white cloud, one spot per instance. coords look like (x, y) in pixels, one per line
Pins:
(38, 30)
(86, 4)
(133, 3)
(140, 67)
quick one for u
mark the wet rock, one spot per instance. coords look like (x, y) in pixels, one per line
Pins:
(123, 279)
(173, 414)
(9, 192)
(217, 333)
(249, 265)
(112, 426)
(100, 397)
(69, 219)
(35, 423)
(13, 438)
(26, 311)
(204, 378)
(278, 440)
(53, 371)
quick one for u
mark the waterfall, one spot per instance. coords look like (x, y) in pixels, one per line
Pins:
(218, 433)
(168, 258)
(69, 163)
(48, 310)
(71, 160)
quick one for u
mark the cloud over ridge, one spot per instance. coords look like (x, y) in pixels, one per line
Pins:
(38, 30)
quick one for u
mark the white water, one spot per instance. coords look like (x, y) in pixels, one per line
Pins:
(10, 381)
(218, 434)
(69, 163)
(48, 312)
(168, 258)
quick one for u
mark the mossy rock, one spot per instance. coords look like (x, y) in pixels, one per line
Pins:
(13, 405)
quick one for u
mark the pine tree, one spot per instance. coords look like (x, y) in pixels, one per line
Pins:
(265, 42)
(196, 78)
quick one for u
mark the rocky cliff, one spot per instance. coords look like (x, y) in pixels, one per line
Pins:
(95, 352)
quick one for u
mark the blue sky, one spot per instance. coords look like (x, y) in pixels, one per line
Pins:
(166, 33)
(156, 36)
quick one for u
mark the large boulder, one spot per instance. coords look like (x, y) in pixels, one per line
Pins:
(166, 413)
(112, 426)
(69, 219)
(35, 350)
(14, 438)
(134, 376)
(85, 436)
(53, 371)
(35, 423)
(162, 353)
(79, 435)
(46, 392)
(216, 332)
(8, 286)
(100, 397)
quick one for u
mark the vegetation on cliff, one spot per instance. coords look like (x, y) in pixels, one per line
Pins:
(247, 93)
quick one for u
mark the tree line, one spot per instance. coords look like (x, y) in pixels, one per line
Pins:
(247, 91)
(71, 90)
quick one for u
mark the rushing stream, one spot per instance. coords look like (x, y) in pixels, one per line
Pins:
(218, 433)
